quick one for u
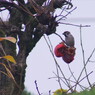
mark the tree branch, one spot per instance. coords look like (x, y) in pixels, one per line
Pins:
(37, 88)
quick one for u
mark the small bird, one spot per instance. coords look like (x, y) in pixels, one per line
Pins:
(69, 39)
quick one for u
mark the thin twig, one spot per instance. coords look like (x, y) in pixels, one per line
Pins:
(61, 12)
(86, 76)
(5, 55)
(66, 14)
(60, 37)
(54, 60)
(80, 80)
(37, 88)
(84, 56)
(85, 62)
(90, 56)
(91, 61)
(68, 80)
(58, 65)
(25, 9)
(60, 79)
(74, 76)
(49, 92)
(85, 65)
(74, 24)
(50, 43)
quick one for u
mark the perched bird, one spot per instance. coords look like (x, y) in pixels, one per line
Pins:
(69, 39)
(66, 48)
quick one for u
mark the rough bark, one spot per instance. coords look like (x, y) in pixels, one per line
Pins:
(23, 13)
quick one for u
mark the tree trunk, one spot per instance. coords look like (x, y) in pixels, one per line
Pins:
(35, 27)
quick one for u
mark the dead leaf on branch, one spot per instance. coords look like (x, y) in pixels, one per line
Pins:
(9, 58)
(9, 74)
(11, 39)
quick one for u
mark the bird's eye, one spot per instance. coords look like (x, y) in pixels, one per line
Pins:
(68, 33)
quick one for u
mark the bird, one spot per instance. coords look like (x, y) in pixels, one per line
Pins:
(69, 39)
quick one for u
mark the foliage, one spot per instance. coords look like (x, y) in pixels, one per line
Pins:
(60, 92)
(85, 92)
(25, 92)
(8, 58)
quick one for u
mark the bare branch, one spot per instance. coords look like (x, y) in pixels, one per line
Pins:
(74, 24)
(58, 65)
(74, 76)
(66, 14)
(37, 88)
(54, 60)
(60, 37)
(80, 80)
(85, 63)
(84, 56)
(49, 92)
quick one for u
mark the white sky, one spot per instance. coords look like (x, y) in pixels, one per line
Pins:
(40, 62)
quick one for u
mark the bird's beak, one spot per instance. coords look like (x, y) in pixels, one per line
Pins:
(64, 34)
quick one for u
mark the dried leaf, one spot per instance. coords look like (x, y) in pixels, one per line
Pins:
(9, 58)
(9, 74)
(11, 39)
